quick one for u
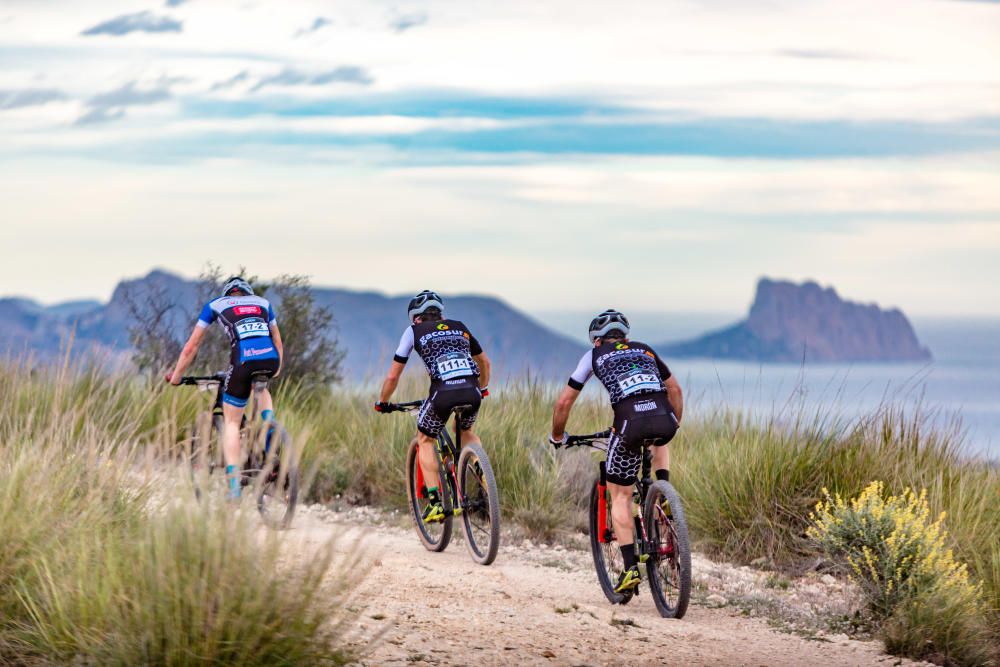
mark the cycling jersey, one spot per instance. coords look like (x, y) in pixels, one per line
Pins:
(633, 374)
(447, 349)
(247, 321)
(624, 368)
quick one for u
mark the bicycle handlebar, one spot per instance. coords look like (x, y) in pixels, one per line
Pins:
(195, 379)
(409, 406)
(585, 440)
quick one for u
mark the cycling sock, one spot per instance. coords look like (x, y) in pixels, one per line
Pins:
(433, 495)
(232, 472)
(267, 416)
(663, 474)
(628, 555)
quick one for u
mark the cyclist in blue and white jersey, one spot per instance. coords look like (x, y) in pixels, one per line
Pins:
(255, 347)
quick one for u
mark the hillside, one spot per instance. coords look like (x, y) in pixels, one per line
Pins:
(368, 326)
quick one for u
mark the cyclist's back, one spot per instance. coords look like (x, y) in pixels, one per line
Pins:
(247, 320)
(447, 348)
(634, 377)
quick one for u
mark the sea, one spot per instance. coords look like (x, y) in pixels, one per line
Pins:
(959, 388)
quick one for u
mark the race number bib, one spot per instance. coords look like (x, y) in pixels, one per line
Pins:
(251, 328)
(454, 365)
(639, 382)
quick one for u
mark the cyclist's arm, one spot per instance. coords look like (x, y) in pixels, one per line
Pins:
(584, 371)
(560, 415)
(391, 381)
(484, 369)
(279, 345)
(675, 396)
(188, 354)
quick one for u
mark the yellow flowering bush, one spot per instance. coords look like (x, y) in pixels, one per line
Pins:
(896, 552)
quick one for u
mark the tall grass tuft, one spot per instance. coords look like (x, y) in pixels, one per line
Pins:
(104, 559)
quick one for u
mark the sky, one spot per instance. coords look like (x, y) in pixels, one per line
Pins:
(652, 155)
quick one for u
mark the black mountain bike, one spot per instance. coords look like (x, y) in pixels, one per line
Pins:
(470, 491)
(270, 464)
(661, 535)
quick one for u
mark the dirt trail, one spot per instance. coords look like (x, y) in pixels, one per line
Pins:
(541, 609)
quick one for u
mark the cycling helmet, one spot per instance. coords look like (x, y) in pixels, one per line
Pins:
(609, 320)
(236, 282)
(422, 302)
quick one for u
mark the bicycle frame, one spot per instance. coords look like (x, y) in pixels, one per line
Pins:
(640, 489)
(445, 447)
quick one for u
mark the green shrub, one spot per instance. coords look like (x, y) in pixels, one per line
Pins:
(898, 556)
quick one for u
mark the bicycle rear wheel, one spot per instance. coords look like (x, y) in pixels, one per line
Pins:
(205, 453)
(277, 484)
(481, 514)
(434, 536)
(604, 547)
(669, 564)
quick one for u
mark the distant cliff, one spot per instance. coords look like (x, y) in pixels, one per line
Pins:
(789, 322)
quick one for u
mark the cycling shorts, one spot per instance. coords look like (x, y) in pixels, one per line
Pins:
(436, 410)
(236, 387)
(642, 421)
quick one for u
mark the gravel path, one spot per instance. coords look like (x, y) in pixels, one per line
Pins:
(540, 606)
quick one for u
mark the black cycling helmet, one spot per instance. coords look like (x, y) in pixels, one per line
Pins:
(609, 320)
(423, 302)
(234, 283)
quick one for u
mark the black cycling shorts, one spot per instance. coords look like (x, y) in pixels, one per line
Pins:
(236, 386)
(642, 421)
(436, 410)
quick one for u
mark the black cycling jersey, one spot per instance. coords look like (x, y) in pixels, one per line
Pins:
(626, 369)
(447, 349)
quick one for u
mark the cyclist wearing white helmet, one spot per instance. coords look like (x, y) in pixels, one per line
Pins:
(255, 348)
(459, 371)
(647, 402)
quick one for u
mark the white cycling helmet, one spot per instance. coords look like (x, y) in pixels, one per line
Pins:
(422, 302)
(609, 320)
(236, 282)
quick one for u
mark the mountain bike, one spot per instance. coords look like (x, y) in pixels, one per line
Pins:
(269, 462)
(661, 535)
(468, 490)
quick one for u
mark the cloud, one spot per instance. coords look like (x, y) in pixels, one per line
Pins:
(293, 77)
(824, 54)
(111, 105)
(404, 22)
(318, 24)
(141, 22)
(226, 84)
(29, 97)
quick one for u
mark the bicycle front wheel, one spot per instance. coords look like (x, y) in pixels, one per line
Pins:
(277, 483)
(604, 547)
(481, 511)
(434, 536)
(205, 453)
(669, 564)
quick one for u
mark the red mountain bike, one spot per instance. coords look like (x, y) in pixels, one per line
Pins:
(468, 489)
(661, 535)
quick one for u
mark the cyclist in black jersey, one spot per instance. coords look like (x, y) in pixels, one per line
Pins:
(255, 348)
(647, 403)
(459, 371)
